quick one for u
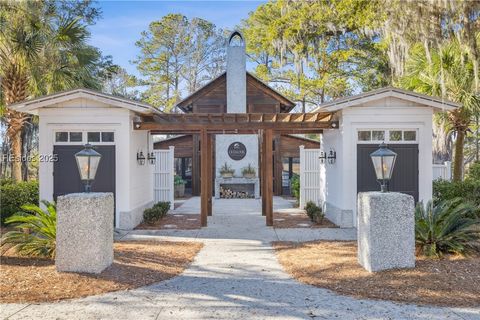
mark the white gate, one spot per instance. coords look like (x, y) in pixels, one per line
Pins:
(442, 171)
(310, 178)
(163, 174)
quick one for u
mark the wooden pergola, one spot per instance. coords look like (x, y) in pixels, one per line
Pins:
(263, 124)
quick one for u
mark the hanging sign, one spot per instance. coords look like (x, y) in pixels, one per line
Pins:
(237, 151)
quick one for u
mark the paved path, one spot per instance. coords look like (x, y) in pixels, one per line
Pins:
(235, 276)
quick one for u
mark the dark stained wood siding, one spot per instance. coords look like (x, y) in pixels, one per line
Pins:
(213, 98)
(183, 146)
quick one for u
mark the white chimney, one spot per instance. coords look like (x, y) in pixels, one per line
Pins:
(236, 74)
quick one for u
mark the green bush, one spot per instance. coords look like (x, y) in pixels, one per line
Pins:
(468, 190)
(448, 227)
(177, 180)
(314, 212)
(14, 195)
(295, 186)
(35, 231)
(474, 172)
(155, 213)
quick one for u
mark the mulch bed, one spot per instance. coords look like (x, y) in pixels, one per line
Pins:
(452, 281)
(136, 264)
(298, 219)
(173, 221)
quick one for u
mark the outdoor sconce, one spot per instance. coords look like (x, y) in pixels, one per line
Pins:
(87, 163)
(332, 157)
(383, 162)
(140, 158)
(136, 122)
(322, 157)
(151, 158)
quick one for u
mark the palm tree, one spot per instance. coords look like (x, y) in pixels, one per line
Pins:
(41, 52)
(447, 72)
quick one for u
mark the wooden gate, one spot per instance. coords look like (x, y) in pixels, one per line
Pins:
(163, 174)
(310, 177)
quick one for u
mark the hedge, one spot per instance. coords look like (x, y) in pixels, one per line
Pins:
(468, 190)
(14, 195)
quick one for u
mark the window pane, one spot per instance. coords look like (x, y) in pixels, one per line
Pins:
(75, 137)
(364, 136)
(107, 136)
(61, 136)
(395, 135)
(94, 137)
(409, 135)
(378, 135)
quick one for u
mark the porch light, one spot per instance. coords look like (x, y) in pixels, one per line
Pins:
(332, 157)
(151, 158)
(140, 158)
(383, 162)
(87, 163)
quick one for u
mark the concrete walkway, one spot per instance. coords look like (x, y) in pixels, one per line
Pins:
(235, 276)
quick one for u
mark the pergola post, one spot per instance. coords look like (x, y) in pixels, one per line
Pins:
(262, 170)
(267, 166)
(209, 173)
(204, 177)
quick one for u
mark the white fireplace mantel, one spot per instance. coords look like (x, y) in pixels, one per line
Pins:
(237, 180)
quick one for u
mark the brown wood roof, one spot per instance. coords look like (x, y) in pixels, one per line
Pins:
(214, 93)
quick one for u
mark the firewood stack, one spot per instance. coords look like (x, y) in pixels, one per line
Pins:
(227, 193)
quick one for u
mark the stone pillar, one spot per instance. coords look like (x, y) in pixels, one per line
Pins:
(386, 230)
(84, 232)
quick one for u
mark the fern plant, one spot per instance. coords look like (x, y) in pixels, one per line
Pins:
(35, 231)
(448, 227)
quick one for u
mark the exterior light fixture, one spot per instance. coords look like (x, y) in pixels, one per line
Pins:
(332, 157)
(323, 157)
(87, 163)
(151, 158)
(383, 162)
(140, 158)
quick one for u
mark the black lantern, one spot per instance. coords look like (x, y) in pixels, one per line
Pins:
(332, 157)
(151, 158)
(140, 158)
(322, 157)
(87, 163)
(383, 162)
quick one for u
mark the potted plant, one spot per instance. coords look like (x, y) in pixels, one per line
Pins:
(179, 185)
(249, 172)
(226, 171)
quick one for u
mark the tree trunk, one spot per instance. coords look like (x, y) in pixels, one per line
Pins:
(16, 142)
(458, 157)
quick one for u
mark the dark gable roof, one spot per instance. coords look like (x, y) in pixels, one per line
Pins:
(184, 103)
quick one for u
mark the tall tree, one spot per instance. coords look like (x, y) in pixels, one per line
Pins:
(446, 71)
(315, 51)
(42, 50)
(177, 56)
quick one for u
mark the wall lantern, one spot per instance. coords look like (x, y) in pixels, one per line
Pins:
(151, 158)
(383, 162)
(323, 157)
(140, 158)
(87, 163)
(332, 157)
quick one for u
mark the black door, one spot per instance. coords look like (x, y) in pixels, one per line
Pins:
(405, 172)
(66, 178)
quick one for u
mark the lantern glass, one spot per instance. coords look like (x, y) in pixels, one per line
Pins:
(383, 161)
(87, 163)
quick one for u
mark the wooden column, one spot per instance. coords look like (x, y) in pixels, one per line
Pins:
(204, 179)
(278, 166)
(268, 176)
(195, 166)
(209, 173)
(262, 170)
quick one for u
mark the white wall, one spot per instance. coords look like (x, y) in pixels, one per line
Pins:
(222, 142)
(88, 115)
(389, 113)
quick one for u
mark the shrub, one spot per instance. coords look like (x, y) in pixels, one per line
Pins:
(177, 180)
(468, 190)
(448, 227)
(155, 213)
(14, 195)
(35, 231)
(474, 172)
(314, 212)
(295, 186)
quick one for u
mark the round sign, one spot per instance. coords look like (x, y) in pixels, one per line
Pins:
(237, 151)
